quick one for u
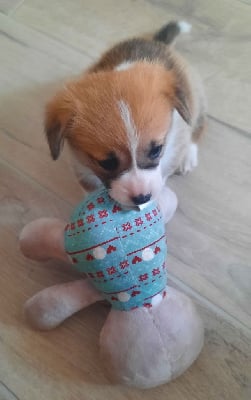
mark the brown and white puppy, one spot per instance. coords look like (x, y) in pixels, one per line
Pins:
(133, 119)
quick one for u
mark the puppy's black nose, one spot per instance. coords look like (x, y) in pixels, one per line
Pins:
(141, 199)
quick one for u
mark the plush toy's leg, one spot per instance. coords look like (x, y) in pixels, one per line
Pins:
(149, 347)
(168, 203)
(53, 305)
(43, 239)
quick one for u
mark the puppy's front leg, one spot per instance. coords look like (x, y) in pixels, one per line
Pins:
(168, 203)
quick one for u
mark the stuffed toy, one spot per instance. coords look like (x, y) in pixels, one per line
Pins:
(153, 332)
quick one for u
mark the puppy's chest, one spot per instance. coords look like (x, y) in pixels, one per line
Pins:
(122, 252)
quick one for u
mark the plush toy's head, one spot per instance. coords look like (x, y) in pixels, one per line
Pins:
(122, 251)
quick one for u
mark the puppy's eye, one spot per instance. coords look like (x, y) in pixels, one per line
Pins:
(109, 164)
(155, 151)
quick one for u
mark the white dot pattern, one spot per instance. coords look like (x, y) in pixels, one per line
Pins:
(156, 299)
(124, 297)
(99, 253)
(147, 254)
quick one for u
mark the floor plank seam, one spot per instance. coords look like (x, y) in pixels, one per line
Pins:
(210, 306)
(28, 177)
(15, 8)
(9, 390)
(13, 137)
(10, 37)
(242, 132)
(54, 38)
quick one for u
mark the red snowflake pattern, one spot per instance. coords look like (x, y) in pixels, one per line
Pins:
(156, 250)
(155, 271)
(90, 218)
(90, 206)
(155, 212)
(72, 226)
(103, 214)
(80, 222)
(143, 277)
(147, 305)
(111, 249)
(136, 260)
(100, 274)
(89, 257)
(111, 270)
(100, 200)
(124, 264)
(116, 209)
(127, 226)
(138, 221)
(148, 217)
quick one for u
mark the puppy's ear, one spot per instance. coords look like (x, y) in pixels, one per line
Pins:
(182, 103)
(58, 119)
(178, 91)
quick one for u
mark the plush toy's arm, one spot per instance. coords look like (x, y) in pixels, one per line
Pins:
(168, 202)
(40, 240)
(53, 305)
(43, 239)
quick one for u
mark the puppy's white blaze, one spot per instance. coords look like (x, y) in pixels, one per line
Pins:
(124, 66)
(130, 127)
(136, 182)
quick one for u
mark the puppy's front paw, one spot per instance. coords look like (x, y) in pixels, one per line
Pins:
(191, 159)
(168, 203)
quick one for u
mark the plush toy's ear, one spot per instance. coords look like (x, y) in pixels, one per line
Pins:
(58, 119)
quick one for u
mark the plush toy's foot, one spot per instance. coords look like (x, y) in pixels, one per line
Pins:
(148, 347)
(43, 239)
(50, 307)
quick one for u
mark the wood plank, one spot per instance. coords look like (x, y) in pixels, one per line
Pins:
(64, 363)
(8, 6)
(6, 394)
(209, 237)
(33, 68)
(31, 71)
(57, 177)
(219, 45)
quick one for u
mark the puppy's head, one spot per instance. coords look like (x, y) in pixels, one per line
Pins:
(117, 123)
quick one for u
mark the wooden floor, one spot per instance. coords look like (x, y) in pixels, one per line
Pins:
(44, 42)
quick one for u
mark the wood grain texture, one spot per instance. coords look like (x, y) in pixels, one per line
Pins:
(32, 69)
(211, 253)
(8, 6)
(44, 43)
